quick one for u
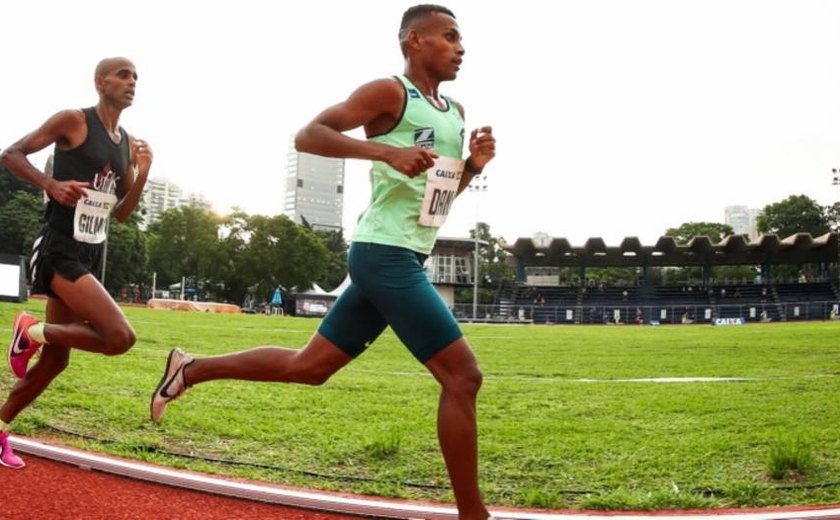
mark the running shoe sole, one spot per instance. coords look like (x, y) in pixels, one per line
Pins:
(166, 377)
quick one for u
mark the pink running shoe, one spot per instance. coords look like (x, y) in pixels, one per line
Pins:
(7, 456)
(22, 347)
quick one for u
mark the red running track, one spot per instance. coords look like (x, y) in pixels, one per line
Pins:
(47, 490)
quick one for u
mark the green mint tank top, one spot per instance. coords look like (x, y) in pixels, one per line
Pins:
(392, 217)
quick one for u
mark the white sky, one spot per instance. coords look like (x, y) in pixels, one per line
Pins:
(613, 118)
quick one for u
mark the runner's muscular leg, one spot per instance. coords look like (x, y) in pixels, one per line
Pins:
(456, 369)
(54, 359)
(107, 330)
(312, 365)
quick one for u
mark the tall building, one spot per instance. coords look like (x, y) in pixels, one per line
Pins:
(314, 191)
(160, 195)
(743, 220)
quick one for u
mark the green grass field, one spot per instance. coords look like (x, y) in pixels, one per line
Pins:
(568, 415)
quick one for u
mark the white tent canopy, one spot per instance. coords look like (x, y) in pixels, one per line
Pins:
(341, 288)
(316, 290)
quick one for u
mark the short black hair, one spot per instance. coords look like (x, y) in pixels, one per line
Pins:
(419, 11)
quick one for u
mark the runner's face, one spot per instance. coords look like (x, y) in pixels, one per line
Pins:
(118, 84)
(442, 45)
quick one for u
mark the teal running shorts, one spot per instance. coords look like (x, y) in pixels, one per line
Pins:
(389, 287)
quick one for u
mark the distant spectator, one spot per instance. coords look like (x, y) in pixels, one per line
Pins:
(277, 302)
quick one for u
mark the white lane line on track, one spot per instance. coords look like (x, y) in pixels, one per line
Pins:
(669, 380)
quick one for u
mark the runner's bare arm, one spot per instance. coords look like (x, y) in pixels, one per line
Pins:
(376, 106)
(134, 178)
(67, 129)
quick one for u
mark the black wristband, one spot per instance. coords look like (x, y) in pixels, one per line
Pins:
(471, 168)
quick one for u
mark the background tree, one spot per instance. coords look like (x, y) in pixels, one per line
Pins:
(21, 214)
(683, 234)
(127, 263)
(492, 258)
(10, 185)
(280, 252)
(688, 230)
(832, 213)
(336, 269)
(610, 275)
(21, 218)
(184, 242)
(795, 214)
(492, 268)
(231, 281)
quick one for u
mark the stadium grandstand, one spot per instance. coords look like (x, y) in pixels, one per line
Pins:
(540, 295)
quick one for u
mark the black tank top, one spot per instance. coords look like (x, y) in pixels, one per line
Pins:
(98, 160)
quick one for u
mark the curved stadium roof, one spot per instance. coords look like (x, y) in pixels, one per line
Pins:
(800, 248)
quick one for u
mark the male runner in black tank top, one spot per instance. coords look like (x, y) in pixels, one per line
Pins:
(99, 169)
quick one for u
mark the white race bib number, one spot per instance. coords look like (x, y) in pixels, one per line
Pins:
(442, 181)
(90, 221)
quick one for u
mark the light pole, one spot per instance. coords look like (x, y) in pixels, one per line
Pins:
(478, 185)
(835, 181)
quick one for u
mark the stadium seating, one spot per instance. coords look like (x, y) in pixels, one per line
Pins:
(670, 303)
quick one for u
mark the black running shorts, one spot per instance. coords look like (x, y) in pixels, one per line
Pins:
(54, 253)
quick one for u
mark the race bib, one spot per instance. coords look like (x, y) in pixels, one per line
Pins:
(90, 221)
(442, 181)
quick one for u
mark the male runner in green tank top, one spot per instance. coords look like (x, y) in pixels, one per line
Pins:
(415, 138)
